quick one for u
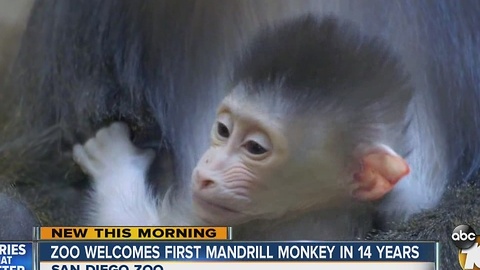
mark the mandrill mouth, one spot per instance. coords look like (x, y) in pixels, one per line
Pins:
(213, 213)
(212, 206)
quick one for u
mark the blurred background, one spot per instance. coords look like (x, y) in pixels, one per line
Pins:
(13, 16)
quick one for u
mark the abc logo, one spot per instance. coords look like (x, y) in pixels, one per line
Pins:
(463, 236)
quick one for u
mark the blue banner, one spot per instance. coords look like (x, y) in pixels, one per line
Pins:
(238, 251)
(16, 256)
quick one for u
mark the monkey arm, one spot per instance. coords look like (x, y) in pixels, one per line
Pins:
(120, 193)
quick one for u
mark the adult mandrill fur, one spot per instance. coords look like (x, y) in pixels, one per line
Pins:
(163, 67)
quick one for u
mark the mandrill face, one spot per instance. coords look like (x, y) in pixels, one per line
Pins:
(231, 182)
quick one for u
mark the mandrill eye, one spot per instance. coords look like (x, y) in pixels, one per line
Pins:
(254, 148)
(222, 130)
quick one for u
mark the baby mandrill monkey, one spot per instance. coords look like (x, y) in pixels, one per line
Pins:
(308, 134)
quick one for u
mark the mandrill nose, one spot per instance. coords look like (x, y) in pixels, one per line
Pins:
(203, 180)
(206, 183)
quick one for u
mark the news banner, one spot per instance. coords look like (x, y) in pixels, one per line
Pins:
(185, 248)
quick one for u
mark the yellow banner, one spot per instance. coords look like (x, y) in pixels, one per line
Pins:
(135, 233)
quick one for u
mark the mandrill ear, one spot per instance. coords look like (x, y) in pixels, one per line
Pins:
(379, 171)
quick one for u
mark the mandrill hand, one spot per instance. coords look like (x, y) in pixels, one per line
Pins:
(111, 152)
(118, 168)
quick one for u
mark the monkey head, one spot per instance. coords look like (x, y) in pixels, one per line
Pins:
(232, 176)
